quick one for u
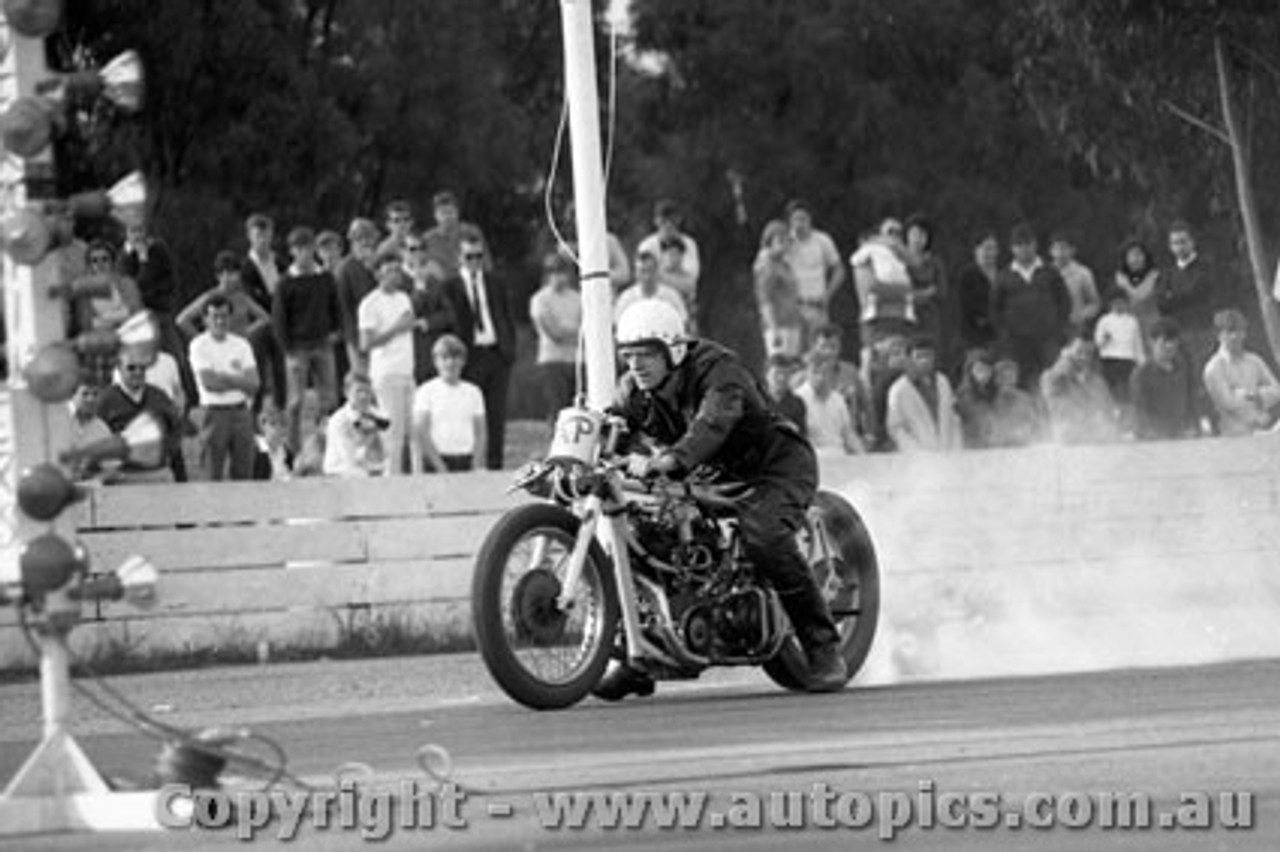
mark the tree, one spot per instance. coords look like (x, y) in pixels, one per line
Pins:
(865, 108)
(1133, 86)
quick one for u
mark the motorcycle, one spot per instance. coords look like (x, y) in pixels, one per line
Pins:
(659, 559)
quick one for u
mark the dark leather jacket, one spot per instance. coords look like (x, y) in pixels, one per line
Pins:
(712, 410)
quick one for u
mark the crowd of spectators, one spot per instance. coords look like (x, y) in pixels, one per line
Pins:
(1015, 352)
(391, 350)
(393, 357)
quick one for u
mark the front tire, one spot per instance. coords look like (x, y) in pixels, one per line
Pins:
(543, 657)
(850, 583)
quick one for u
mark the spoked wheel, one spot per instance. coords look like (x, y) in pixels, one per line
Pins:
(541, 655)
(842, 557)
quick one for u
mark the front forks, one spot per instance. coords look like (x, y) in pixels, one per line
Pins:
(639, 649)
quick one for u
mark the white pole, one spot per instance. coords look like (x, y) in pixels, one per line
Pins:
(588, 191)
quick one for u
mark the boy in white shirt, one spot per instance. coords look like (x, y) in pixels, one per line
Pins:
(1118, 336)
(448, 413)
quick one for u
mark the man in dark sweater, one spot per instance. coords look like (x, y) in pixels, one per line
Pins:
(355, 280)
(1030, 308)
(131, 396)
(1190, 290)
(305, 313)
(1162, 389)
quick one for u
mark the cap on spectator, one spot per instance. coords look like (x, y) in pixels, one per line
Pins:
(301, 237)
(328, 238)
(259, 222)
(1166, 329)
(1230, 320)
(225, 261)
(361, 230)
(444, 198)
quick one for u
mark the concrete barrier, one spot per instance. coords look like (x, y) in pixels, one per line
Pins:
(997, 562)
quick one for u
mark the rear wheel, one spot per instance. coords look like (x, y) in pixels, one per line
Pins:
(847, 572)
(541, 655)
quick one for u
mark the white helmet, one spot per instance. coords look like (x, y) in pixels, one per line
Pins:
(653, 321)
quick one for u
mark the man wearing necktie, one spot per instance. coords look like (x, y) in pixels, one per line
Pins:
(486, 326)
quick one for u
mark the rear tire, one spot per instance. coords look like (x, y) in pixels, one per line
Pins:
(850, 583)
(541, 656)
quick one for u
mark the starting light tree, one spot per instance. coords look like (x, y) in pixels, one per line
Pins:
(46, 573)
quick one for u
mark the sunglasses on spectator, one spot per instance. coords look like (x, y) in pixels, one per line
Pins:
(134, 368)
(473, 256)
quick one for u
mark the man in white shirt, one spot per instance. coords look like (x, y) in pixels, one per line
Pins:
(828, 423)
(1243, 390)
(556, 311)
(227, 379)
(649, 286)
(387, 322)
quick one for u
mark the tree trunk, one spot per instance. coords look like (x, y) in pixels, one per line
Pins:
(1244, 195)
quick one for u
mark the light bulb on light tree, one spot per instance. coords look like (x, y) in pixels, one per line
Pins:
(48, 563)
(29, 233)
(45, 491)
(142, 443)
(121, 81)
(125, 200)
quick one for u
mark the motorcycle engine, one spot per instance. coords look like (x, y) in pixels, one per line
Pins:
(691, 550)
(735, 624)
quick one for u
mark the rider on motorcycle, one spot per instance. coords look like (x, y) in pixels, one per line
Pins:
(694, 398)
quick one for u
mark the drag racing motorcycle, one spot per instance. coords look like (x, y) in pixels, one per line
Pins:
(650, 572)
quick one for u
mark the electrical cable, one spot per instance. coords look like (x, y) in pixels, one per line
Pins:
(187, 758)
(184, 740)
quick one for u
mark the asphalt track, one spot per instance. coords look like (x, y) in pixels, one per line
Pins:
(1160, 733)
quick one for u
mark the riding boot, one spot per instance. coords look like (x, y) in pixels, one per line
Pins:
(819, 637)
(620, 680)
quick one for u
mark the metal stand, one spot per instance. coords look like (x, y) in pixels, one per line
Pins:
(58, 788)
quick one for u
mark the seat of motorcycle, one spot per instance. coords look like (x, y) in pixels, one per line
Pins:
(723, 498)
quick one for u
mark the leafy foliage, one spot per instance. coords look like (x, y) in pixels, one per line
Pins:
(1068, 113)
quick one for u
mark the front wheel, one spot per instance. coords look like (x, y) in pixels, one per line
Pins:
(846, 570)
(541, 655)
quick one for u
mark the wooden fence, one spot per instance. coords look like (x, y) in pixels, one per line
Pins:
(994, 562)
